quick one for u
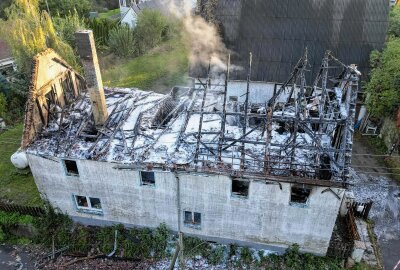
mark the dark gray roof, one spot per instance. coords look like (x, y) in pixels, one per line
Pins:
(278, 31)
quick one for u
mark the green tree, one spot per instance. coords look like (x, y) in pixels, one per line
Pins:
(151, 29)
(64, 8)
(29, 31)
(67, 26)
(394, 22)
(383, 88)
(4, 4)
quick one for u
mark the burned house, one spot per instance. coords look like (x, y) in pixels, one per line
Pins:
(230, 161)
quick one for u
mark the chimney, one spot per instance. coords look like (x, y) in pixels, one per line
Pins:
(87, 52)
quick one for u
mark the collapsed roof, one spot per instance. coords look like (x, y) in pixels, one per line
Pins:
(301, 131)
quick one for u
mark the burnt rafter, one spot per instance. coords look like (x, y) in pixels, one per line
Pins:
(310, 118)
(221, 126)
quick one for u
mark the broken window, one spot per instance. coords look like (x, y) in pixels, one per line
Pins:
(95, 203)
(300, 194)
(192, 218)
(81, 201)
(71, 167)
(87, 203)
(147, 178)
(240, 188)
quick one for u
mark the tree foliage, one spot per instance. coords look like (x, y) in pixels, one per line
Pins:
(4, 4)
(67, 26)
(383, 88)
(394, 22)
(101, 30)
(152, 28)
(121, 41)
(29, 31)
(64, 8)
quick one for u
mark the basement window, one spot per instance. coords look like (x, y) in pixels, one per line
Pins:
(88, 204)
(71, 168)
(147, 178)
(240, 188)
(192, 219)
(299, 195)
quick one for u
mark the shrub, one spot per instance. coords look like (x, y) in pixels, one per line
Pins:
(3, 105)
(121, 41)
(245, 256)
(67, 26)
(161, 236)
(394, 22)
(151, 29)
(217, 255)
(101, 30)
(64, 7)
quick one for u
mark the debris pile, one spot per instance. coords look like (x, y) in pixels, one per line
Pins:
(303, 131)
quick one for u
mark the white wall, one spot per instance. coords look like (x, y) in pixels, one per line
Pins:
(129, 17)
(264, 218)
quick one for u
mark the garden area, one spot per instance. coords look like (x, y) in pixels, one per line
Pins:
(144, 248)
(17, 186)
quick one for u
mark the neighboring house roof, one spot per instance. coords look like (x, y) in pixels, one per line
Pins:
(5, 51)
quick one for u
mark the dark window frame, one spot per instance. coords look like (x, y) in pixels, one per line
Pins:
(300, 195)
(67, 163)
(90, 206)
(192, 219)
(236, 184)
(147, 178)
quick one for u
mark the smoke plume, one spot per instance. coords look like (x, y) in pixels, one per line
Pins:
(205, 43)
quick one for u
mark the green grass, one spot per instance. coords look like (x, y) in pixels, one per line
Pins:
(109, 14)
(16, 186)
(160, 69)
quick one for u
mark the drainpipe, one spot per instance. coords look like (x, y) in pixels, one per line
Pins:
(178, 206)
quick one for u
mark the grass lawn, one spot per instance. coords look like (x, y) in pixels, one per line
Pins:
(16, 187)
(159, 70)
(109, 14)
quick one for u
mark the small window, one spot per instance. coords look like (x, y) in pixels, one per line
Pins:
(81, 201)
(192, 219)
(71, 167)
(147, 178)
(300, 194)
(89, 204)
(95, 203)
(240, 188)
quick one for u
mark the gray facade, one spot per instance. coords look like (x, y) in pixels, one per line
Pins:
(265, 218)
(278, 31)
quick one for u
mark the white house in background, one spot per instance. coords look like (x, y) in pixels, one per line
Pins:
(130, 9)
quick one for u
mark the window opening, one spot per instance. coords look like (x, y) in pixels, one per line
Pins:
(88, 203)
(300, 194)
(148, 178)
(95, 203)
(240, 188)
(71, 167)
(82, 201)
(192, 218)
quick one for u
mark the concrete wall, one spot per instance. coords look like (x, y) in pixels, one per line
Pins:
(265, 218)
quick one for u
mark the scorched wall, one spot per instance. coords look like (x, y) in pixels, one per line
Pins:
(265, 218)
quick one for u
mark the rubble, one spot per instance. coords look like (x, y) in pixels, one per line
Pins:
(302, 131)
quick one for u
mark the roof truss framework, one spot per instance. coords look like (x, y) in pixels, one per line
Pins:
(302, 131)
